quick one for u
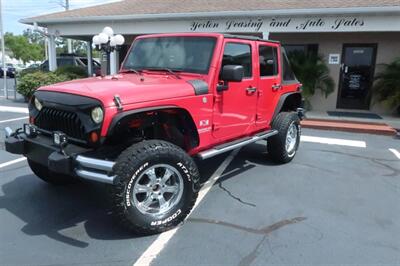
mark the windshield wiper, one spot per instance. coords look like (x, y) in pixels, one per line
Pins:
(131, 70)
(173, 72)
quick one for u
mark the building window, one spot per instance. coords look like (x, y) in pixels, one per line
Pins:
(268, 61)
(309, 49)
(238, 54)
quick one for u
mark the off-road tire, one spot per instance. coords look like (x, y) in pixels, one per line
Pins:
(131, 165)
(49, 177)
(277, 143)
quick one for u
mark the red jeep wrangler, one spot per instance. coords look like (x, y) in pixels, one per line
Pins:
(176, 97)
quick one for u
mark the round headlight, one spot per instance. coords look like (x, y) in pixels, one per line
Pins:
(97, 115)
(38, 105)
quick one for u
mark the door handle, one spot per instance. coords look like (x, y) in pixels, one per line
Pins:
(251, 90)
(276, 87)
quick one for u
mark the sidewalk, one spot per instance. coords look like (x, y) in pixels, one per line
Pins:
(321, 120)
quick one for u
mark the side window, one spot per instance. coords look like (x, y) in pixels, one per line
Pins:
(238, 54)
(268, 61)
(65, 62)
(287, 72)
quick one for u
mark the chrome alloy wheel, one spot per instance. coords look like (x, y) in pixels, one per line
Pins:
(158, 190)
(291, 139)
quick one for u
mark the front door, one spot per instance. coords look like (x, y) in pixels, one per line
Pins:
(357, 74)
(235, 108)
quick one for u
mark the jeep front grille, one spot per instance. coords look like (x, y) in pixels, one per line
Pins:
(58, 120)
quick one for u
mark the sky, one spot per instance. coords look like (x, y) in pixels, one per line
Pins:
(14, 10)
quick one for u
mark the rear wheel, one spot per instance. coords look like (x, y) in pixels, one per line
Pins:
(157, 186)
(283, 147)
(49, 177)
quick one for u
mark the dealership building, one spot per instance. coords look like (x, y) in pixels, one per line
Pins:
(355, 37)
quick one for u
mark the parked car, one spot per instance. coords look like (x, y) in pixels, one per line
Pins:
(10, 71)
(177, 96)
(72, 60)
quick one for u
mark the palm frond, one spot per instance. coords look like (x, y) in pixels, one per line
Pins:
(386, 88)
(312, 72)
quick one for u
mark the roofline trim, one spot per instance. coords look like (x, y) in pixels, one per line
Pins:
(260, 13)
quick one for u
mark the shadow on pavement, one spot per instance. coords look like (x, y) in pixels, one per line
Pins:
(48, 210)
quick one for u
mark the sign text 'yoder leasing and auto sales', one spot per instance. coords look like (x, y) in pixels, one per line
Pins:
(329, 24)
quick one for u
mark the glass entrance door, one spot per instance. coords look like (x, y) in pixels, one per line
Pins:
(356, 78)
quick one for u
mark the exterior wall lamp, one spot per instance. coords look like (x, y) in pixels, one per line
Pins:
(107, 42)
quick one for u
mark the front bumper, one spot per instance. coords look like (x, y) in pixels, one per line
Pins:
(71, 160)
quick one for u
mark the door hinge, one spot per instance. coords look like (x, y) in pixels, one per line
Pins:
(258, 117)
(217, 98)
(215, 126)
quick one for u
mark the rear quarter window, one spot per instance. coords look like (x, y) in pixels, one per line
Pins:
(288, 75)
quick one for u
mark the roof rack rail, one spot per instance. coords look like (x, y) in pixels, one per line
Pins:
(248, 37)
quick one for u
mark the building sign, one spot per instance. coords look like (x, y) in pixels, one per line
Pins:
(339, 23)
(295, 24)
(334, 59)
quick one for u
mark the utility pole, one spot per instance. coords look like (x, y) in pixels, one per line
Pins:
(3, 52)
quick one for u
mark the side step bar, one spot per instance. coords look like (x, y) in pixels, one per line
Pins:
(236, 144)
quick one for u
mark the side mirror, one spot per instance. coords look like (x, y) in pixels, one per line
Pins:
(232, 73)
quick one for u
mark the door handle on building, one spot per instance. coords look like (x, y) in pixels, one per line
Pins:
(251, 90)
(276, 87)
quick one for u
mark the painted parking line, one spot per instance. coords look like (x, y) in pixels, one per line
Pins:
(158, 245)
(14, 119)
(333, 141)
(12, 162)
(11, 109)
(395, 152)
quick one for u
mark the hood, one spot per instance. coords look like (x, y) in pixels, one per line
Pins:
(131, 88)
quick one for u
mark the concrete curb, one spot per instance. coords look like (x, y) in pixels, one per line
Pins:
(350, 126)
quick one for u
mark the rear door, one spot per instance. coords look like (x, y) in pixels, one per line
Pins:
(235, 108)
(269, 84)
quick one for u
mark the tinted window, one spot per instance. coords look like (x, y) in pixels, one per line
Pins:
(268, 61)
(65, 62)
(238, 54)
(287, 73)
(84, 61)
(187, 54)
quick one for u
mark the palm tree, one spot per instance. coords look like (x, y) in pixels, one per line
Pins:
(387, 85)
(312, 72)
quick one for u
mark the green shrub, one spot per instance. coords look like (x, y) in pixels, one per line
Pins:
(28, 83)
(387, 85)
(72, 72)
(313, 73)
(27, 71)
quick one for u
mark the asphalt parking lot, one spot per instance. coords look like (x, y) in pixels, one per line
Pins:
(334, 204)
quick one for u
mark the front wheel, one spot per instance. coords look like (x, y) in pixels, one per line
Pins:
(157, 186)
(283, 147)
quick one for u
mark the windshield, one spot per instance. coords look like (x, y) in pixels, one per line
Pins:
(186, 54)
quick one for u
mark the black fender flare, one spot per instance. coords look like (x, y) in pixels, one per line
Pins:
(118, 117)
(121, 116)
(282, 101)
